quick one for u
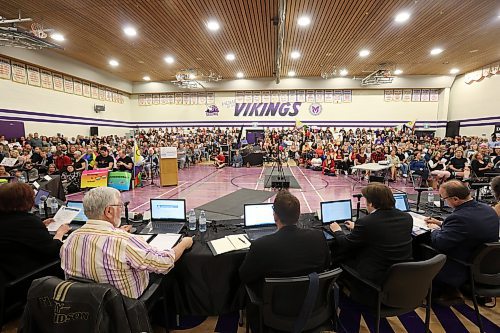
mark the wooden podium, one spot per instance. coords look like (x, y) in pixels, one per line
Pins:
(168, 166)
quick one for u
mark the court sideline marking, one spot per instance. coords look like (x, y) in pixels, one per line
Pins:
(258, 180)
(314, 188)
(301, 192)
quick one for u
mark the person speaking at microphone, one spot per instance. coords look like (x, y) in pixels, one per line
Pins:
(25, 243)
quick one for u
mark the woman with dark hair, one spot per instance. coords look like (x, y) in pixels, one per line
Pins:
(25, 243)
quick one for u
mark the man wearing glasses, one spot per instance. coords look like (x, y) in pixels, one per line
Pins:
(469, 226)
(103, 252)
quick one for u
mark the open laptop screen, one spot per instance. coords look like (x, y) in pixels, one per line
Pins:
(81, 217)
(334, 211)
(168, 209)
(402, 202)
(39, 195)
(259, 215)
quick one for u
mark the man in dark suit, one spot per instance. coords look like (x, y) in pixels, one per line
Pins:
(290, 251)
(376, 242)
(461, 234)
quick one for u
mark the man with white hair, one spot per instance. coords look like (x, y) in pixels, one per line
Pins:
(103, 252)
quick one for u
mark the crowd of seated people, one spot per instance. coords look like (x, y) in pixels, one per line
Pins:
(332, 151)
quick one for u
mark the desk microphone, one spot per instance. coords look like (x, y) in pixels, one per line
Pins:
(43, 199)
(125, 204)
(358, 204)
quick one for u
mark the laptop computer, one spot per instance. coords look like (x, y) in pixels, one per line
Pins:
(403, 205)
(338, 211)
(168, 216)
(259, 220)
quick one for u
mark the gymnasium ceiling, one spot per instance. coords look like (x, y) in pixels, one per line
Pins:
(467, 30)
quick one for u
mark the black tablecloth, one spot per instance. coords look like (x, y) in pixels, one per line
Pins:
(54, 186)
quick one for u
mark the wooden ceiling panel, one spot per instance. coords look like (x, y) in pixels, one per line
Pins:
(339, 30)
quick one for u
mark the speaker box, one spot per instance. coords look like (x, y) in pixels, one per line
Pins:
(279, 182)
(376, 179)
(452, 129)
(94, 130)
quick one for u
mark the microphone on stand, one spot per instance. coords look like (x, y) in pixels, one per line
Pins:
(43, 199)
(125, 204)
(358, 204)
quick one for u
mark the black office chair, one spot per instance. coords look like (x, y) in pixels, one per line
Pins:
(297, 304)
(13, 293)
(405, 287)
(484, 275)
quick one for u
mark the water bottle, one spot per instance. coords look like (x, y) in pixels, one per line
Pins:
(192, 220)
(202, 221)
(430, 196)
(22, 179)
(41, 207)
(54, 206)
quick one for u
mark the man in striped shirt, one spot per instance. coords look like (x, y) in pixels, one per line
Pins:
(103, 252)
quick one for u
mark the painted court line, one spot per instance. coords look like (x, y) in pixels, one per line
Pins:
(159, 196)
(314, 188)
(258, 180)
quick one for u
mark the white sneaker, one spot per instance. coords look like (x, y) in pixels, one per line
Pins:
(405, 175)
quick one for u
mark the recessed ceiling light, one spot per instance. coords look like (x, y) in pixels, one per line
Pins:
(402, 17)
(304, 21)
(398, 71)
(130, 31)
(192, 76)
(291, 73)
(169, 60)
(57, 36)
(436, 51)
(364, 53)
(213, 25)
(343, 72)
(454, 71)
(230, 56)
(473, 51)
(239, 75)
(113, 62)
(295, 55)
(146, 78)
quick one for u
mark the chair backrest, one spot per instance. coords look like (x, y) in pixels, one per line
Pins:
(55, 305)
(486, 264)
(283, 299)
(407, 284)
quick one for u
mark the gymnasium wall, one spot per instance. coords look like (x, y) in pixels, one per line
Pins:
(367, 109)
(50, 112)
(476, 105)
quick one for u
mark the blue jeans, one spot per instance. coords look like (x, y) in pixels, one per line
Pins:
(404, 168)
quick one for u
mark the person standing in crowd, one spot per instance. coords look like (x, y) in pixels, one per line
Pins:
(104, 161)
(459, 236)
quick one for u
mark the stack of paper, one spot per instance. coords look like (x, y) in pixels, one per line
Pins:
(165, 241)
(63, 216)
(229, 243)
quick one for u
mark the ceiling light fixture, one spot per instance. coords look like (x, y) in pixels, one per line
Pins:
(364, 53)
(454, 71)
(230, 56)
(113, 62)
(402, 17)
(169, 60)
(343, 72)
(146, 78)
(213, 25)
(304, 21)
(239, 75)
(130, 31)
(291, 73)
(295, 55)
(436, 51)
(57, 36)
(398, 72)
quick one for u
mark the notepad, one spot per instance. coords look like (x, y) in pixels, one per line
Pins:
(228, 244)
(145, 237)
(165, 241)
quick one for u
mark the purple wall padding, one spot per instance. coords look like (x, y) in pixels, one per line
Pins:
(12, 129)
